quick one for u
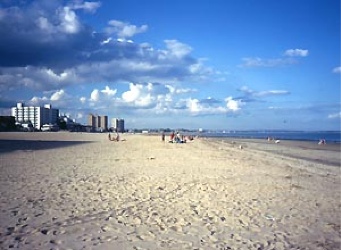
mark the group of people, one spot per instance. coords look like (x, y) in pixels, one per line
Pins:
(177, 138)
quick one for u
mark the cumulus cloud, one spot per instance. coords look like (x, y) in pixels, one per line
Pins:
(86, 6)
(124, 29)
(177, 48)
(196, 107)
(42, 34)
(133, 93)
(108, 91)
(94, 96)
(68, 21)
(157, 98)
(147, 95)
(296, 52)
(38, 101)
(59, 98)
(46, 46)
(232, 104)
(59, 95)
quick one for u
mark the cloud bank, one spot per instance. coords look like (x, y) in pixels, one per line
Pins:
(49, 54)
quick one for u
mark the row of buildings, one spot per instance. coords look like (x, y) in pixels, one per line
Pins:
(100, 123)
(37, 117)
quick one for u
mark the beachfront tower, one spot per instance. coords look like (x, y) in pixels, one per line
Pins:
(117, 124)
(38, 116)
(98, 123)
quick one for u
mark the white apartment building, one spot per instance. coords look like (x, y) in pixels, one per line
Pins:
(38, 116)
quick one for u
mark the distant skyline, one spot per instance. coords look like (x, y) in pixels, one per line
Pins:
(218, 64)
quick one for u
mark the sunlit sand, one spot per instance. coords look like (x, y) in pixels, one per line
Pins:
(82, 191)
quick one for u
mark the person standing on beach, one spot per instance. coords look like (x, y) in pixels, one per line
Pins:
(117, 136)
(172, 137)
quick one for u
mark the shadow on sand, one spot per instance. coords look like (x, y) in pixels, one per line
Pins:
(7, 146)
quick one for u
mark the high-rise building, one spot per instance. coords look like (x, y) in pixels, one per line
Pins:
(97, 122)
(103, 120)
(38, 116)
(117, 124)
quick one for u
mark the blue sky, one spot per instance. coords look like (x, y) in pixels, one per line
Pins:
(214, 64)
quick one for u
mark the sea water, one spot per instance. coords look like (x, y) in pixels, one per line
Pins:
(328, 136)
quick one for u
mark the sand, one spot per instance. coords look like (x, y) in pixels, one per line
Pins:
(82, 191)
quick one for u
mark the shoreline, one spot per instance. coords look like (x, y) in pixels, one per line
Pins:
(265, 139)
(327, 154)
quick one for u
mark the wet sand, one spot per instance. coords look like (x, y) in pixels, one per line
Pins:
(82, 191)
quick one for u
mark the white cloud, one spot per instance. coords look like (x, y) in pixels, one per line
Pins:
(233, 105)
(36, 101)
(86, 6)
(106, 41)
(145, 100)
(86, 55)
(140, 99)
(194, 105)
(57, 96)
(208, 106)
(337, 70)
(296, 52)
(52, 74)
(94, 96)
(335, 116)
(68, 21)
(177, 48)
(141, 96)
(133, 93)
(108, 91)
(124, 29)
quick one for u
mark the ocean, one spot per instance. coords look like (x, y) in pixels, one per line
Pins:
(328, 136)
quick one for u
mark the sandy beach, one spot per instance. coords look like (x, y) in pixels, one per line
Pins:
(81, 191)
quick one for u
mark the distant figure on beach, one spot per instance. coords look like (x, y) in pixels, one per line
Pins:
(117, 138)
(322, 142)
(171, 137)
(163, 136)
(179, 138)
